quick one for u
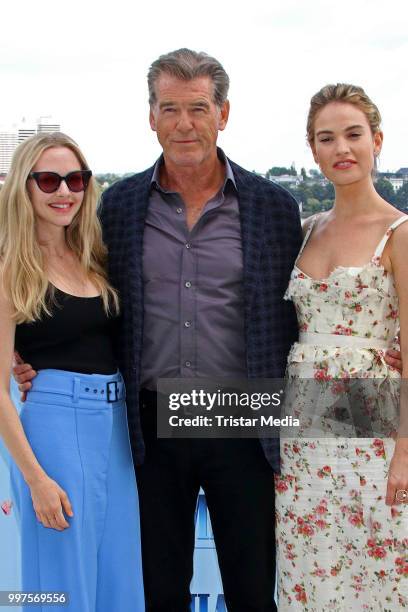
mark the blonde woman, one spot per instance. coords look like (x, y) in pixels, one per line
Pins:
(72, 472)
(342, 513)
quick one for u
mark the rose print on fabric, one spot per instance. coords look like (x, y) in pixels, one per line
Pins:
(340, 548)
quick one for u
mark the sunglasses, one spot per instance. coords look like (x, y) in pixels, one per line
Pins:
(49, 182)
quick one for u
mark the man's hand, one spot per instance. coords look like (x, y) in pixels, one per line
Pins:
(393, 359)
(23, 373)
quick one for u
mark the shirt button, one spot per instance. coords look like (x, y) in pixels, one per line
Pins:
(187, 323)
(187, 284)
(188, 364)
(188, 245)
(179, 210)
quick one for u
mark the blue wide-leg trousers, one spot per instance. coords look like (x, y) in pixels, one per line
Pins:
(79, 434)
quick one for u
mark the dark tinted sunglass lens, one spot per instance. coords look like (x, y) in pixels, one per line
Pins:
(87, 177)
(76, 181)
(48, 181)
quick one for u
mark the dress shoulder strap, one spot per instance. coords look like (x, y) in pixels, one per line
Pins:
(381, 245)
(307, 235)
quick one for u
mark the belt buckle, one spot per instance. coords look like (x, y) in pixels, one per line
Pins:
(109, 391)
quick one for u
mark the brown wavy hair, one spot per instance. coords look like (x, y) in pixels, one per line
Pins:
(342, 92)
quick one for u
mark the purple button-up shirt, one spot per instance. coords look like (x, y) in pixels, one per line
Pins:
(193, 287)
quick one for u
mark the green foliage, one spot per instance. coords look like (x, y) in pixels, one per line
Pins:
(314, 194)
(385, 190)
(280, 170)
(315, 173)
(401, 197)
(312, 205)
(326, 204)
(318, 191)
(108, 177)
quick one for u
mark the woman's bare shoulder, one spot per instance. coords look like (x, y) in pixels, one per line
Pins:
(306, 223)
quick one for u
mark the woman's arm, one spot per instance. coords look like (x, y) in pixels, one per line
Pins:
(398, 472)
(48, 497)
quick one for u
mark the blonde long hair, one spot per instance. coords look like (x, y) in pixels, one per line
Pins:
(24, 276)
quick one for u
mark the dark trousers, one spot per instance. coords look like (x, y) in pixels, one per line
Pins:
(239, 487)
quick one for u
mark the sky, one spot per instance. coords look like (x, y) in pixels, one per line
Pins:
(85, 63)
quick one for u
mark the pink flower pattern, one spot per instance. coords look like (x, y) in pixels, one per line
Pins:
(6, 507)
(340, 548)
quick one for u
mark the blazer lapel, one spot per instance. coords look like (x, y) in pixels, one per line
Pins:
(135, 214)
(135, 211)
(252, 216)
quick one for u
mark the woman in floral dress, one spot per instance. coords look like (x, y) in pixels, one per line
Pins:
(342, 516)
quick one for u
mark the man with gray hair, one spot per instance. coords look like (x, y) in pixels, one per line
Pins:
(201, 252)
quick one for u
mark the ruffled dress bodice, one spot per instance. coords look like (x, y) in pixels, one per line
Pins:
(346, 323)
(354, 310)
(340, 546)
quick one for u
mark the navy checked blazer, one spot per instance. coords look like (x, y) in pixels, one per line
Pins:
(271, 239)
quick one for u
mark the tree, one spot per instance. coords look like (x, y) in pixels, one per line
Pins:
(329, 192)
(385, 190)
(312, 205)
(303, 173)
(315, 173)
(401, 197)
(279, 171)
(301, 192)
(326, 204)
(318, 191)
(108, 178)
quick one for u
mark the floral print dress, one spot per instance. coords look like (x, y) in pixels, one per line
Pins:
(339, 546)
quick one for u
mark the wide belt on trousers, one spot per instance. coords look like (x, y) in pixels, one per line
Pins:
(336, 340)
(80, 387)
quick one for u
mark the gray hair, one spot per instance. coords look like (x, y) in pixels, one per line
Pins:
(186, 64)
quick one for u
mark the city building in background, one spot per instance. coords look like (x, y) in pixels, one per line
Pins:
(25, 130)
(8, 142)
(12, 137)
(47, 124)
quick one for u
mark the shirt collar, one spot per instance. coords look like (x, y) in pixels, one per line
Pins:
(229, 175)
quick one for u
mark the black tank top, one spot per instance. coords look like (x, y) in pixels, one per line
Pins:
(77, 337)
